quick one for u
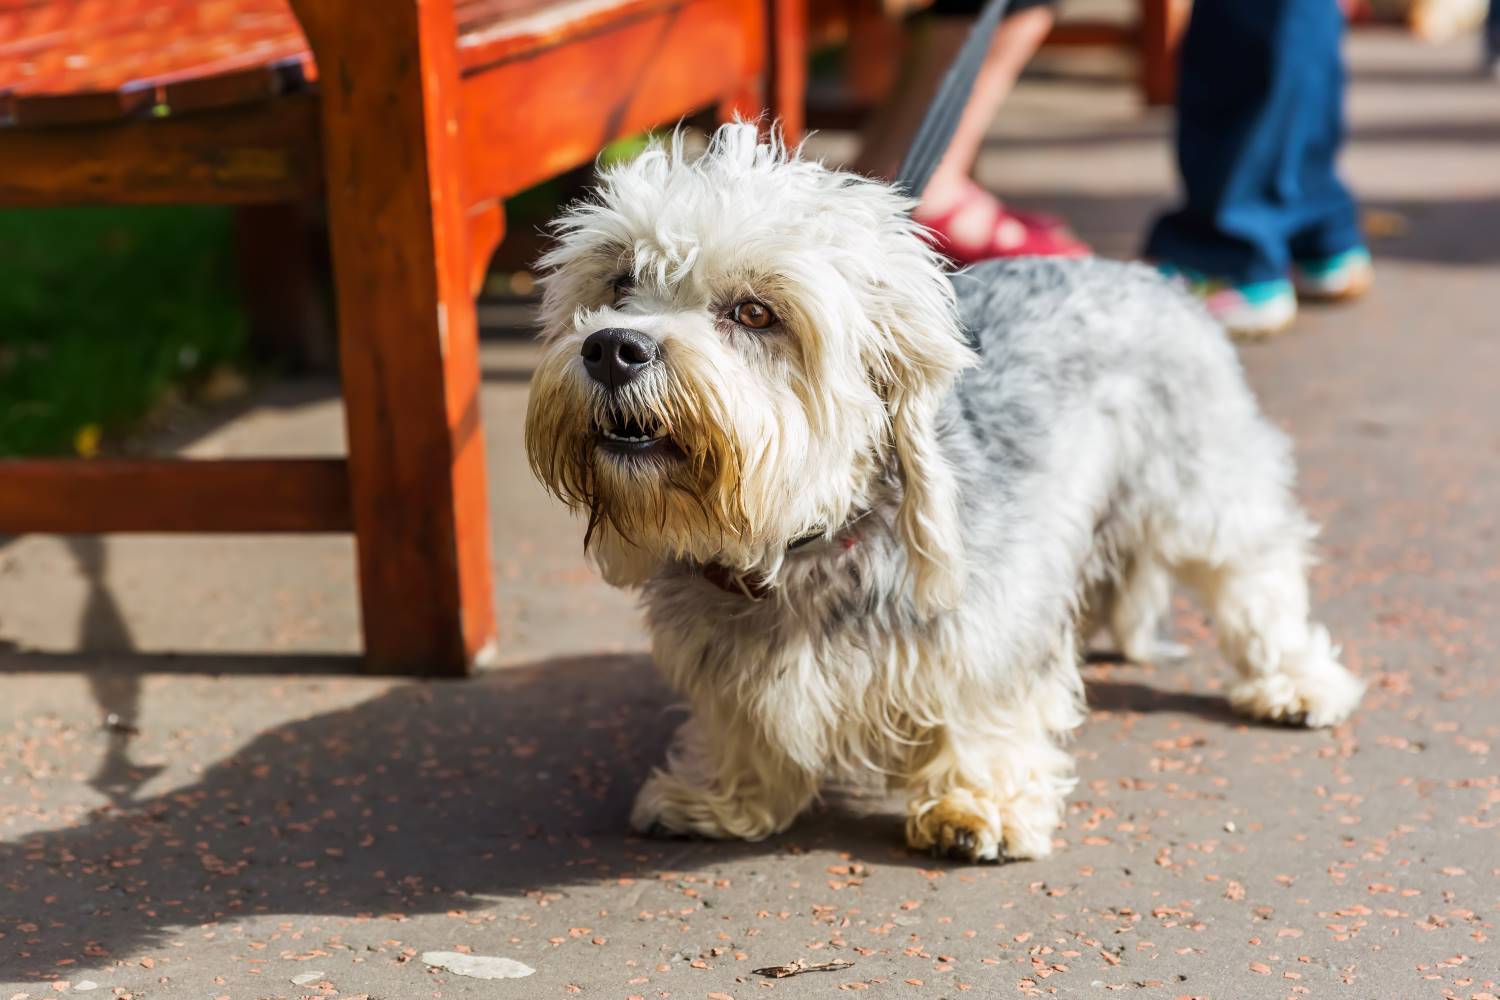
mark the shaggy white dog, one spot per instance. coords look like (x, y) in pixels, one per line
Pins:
(873, 507)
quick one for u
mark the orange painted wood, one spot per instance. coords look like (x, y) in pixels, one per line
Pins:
(746, 105)
(232, 87)
(73, 61)
(407, 330)
(64, 109)
(494, 31)
(1162, 25)
(486, 224)
(787, 97)
(869, 80)
(544, 112)
(1093, 34)
(168, 495)
(261, 153)
(88, 60)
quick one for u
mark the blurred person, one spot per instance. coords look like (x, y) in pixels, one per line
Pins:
(1444, 20)
(1492, 40)
(967, 222)
(1260, 122)
(1435, 21)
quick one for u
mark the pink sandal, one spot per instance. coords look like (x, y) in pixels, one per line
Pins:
(1009, 234)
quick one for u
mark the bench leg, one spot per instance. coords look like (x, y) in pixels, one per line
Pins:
(779, 97)
(407, 328)
(743, 105)
(1162, 25)
(787, 97)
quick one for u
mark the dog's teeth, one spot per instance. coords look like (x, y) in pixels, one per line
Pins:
(627, 438)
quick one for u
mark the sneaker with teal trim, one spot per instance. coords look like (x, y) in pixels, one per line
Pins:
(1339, 278)
(1249, 311)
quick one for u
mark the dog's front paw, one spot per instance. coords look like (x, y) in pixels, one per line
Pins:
(969, 826)
(1312, 690)
(984, 825)
(961, 826)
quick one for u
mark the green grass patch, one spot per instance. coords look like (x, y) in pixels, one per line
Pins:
(102, 312)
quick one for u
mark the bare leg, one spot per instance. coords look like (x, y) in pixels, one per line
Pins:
(890, 131)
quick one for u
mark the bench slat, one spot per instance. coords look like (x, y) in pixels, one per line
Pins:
(570, 100)
(174, 495)
(256, 154)
(67, 56)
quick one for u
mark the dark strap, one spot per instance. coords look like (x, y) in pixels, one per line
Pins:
(941, 119)
(740, 585)
(756, 588)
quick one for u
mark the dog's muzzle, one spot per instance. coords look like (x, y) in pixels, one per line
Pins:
(616, 357)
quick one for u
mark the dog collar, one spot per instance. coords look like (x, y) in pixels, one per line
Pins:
(756, 588)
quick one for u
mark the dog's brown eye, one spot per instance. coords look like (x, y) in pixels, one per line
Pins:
(752, 315)
(621, 287)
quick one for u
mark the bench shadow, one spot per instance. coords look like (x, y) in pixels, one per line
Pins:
(411, 802)
(135, 663)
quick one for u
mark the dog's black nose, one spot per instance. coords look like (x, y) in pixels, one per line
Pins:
(615, 356)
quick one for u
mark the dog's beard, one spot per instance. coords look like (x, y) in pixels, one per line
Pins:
(653, 465)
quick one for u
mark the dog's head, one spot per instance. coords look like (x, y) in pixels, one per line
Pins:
(741, 349)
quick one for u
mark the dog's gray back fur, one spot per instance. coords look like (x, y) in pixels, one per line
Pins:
(1139, 367)
(1107, 418)
(1056, 338)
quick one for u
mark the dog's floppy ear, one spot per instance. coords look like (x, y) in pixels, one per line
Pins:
(928, 518)
(924, 352)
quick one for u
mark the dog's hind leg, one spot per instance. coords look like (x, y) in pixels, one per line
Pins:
(1288, 666)
(732, 787)
(1137, 611)
(992, 787)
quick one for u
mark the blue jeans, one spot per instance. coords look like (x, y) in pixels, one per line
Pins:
(1260, 120)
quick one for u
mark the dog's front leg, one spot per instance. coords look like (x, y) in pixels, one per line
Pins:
(992, 787)
(722, 781)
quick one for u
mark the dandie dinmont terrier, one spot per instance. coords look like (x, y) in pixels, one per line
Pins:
(874, 508)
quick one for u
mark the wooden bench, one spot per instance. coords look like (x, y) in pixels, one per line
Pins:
(412, 119)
